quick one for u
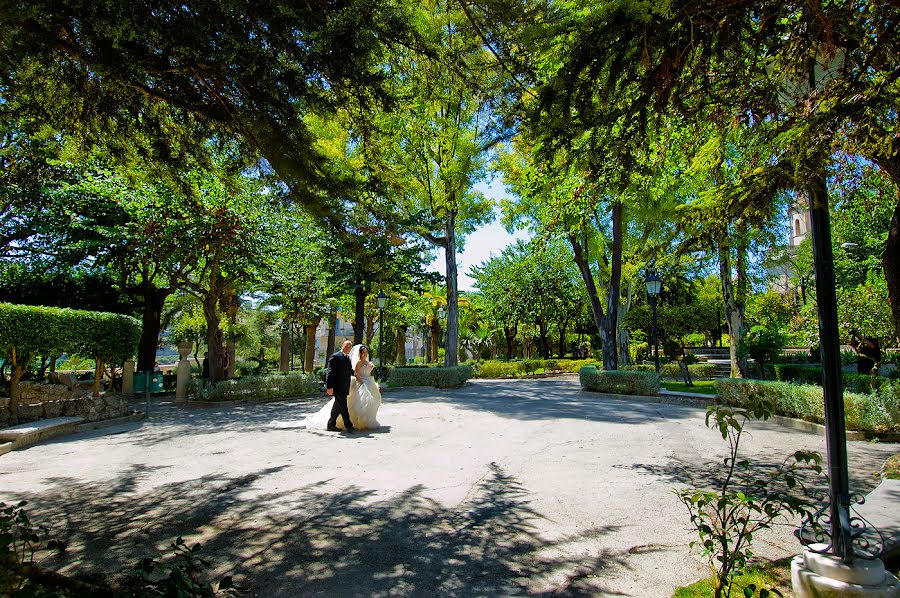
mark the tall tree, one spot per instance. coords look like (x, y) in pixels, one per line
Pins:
(432, 150)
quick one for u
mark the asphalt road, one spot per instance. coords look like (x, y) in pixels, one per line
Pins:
(502, 488)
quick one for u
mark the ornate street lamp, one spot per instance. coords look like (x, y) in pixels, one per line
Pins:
(381, 299)
(654, 285)
(441, 313)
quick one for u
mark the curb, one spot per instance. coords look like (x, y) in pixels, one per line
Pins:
(40, 434)
(205, 404)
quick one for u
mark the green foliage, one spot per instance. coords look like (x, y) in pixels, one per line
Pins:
(438, 377)
(762, 344)
(250, 388)
(514, 369)
(182, 576)
(701, 371)
(31, 330)
(618, 381)
(812, 374)
(746, 499)
(876, 412)
(19, 542)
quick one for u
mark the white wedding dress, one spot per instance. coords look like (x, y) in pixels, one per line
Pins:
(362, 402)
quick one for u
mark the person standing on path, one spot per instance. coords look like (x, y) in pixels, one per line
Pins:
(337, 384)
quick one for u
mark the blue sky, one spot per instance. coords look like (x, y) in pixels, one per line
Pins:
(489, 240)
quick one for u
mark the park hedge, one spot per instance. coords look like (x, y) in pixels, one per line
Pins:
(249, 388)
(514, 369)
(618, 381)
(438, 377)
(812, 374)
(875, 412)
(35, 330)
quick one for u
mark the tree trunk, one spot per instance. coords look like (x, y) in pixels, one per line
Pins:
(562, 341)
(400, 358)
(151, 316)
(15, 376)
(230, 307)
(213, 336)
(98, 374)
(332, 332)
(890, 261)
(622, 334)
(451, 357)
(608, 330)
(370, 331)
(590, 285)
(542, 339)
(734, 313)
(359, 295)
(509, 333)
(309, 361)
(435, 340)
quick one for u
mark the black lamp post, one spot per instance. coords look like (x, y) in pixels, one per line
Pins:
(654, 284)
(381, 299)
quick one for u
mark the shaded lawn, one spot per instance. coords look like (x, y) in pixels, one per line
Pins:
(706, 387)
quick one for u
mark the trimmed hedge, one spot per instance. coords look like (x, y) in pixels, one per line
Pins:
(513, 369)
(700, 371)
(873, 412)
(246, 388)
(806, 374)
(438, 377)
(35, 330)
(619, 381)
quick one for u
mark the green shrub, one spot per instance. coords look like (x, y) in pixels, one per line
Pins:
(872, 412)
(811, 374)
(619, 381)
(702, 371)
(438, 377)
(529, 366)
(35, 330)
(641, 367)
(498, 369)
(27, 331)
(275, 386)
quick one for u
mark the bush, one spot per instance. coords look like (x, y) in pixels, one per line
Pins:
(810, 374)
(438, 377)
(34, 330)
(618, 381)
(702, 371)
(641, 367)
(872, 412)
(498, 369)
(275, 386)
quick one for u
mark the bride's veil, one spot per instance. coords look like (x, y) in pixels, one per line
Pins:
(354, 356)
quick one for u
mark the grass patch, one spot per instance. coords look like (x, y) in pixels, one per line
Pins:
(775, 575)
(892, 468)
(706, 387)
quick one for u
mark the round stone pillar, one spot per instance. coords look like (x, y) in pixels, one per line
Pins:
(815, 575)
(183, 371)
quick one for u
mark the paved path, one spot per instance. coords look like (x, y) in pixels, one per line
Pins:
(500, 488)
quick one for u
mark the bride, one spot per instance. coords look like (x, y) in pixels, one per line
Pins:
(362, 402)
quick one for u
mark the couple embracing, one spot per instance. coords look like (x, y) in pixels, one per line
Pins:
(356, 396)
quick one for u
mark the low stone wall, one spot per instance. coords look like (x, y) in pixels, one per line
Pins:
(44, 401)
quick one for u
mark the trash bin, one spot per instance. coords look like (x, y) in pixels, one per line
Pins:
(156, 382)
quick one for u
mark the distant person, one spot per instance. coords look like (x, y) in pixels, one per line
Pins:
(868, 352)
(205, 374)
(156, 367)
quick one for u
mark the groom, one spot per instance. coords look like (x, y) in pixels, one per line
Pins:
(337, 384)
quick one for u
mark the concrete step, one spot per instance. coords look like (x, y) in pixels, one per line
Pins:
(24, 435)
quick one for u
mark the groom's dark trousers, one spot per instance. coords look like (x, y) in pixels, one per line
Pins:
(338, 379)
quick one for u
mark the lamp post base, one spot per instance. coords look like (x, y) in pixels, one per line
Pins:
(815, 575)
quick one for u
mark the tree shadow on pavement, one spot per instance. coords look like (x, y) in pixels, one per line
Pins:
(316, 541)
(550, 399)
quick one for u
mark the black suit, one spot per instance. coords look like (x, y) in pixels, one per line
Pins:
(338, 379)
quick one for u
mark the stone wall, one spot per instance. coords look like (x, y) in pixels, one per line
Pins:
(44, 401)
